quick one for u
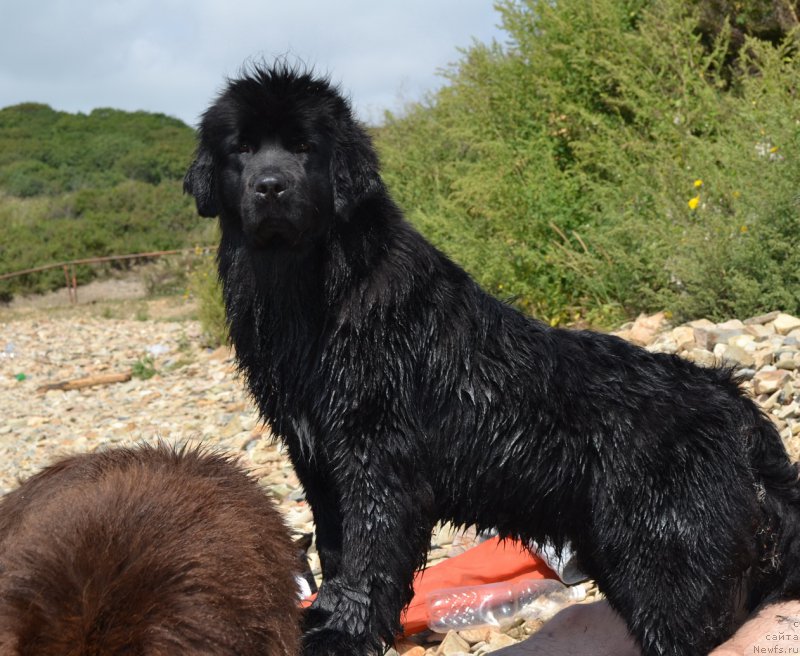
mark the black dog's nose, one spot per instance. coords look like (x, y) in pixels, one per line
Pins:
(270, 186)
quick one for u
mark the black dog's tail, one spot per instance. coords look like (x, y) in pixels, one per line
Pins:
(778, 537)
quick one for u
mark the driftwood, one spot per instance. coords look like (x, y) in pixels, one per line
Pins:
(89, 381)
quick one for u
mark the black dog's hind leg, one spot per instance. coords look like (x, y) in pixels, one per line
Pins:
(385, 504)
(668, 563)
(676, 617)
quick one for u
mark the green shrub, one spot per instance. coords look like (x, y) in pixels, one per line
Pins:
(559, 169)
(205, 286)
(143, 368)
(131, 217)
(76, 186)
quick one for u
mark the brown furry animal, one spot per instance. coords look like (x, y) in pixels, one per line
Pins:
(145, 552)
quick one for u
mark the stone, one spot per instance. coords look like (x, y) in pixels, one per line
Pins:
(622, 334)
(444, 534)
(763, 357)
(683, 336)
(788, 411)
(473, 636)
(777, 342)
(205, 400)
(533, 625)
(663, 344)
(452, 645)
(771, 400)
(516, 630)
(786, 323)
(498, 641)
(280, 491)
(645, 328)
(708, 338)
(701, 323)
(406, 648)
(760, 331)
(769, 382)
(761, 318)
(731, 324)
(745, 341)
(734, 355)
(701, 357)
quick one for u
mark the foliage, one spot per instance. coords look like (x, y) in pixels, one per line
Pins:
(67, 152)
(205, 286)
(75, 186)
(143, 368)
(612, 158)
(169, 276)
(767, 20)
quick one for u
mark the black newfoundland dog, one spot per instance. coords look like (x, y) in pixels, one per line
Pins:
(146, 552)
(406, 395)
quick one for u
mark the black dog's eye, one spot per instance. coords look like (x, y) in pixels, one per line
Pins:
(302, 147)
(244, 147)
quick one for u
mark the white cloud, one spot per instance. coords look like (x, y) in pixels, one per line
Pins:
(171, 55)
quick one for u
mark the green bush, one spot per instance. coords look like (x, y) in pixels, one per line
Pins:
(26, 178)
(76, 186)
(559, 169)
(131, 217)
(205, 286)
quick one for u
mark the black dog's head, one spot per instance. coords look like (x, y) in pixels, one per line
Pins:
(280, 157)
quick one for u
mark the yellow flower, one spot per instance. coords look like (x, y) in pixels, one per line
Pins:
(736, 194)
(698, 183)
(694, 202)
(743, 229)
(774, 149)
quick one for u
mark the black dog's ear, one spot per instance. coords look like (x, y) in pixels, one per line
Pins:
(199, 182)
(354, 170)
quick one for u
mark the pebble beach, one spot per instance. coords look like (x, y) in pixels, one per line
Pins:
(181, 392)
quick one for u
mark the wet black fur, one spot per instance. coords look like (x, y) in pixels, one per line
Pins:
(407, 395)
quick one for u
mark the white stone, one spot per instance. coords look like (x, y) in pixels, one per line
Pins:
(785, 323)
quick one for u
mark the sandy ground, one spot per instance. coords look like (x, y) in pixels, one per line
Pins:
(122, 297)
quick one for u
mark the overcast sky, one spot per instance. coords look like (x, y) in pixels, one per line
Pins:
(171, 56)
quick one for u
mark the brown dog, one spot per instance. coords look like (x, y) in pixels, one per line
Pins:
(148, 552)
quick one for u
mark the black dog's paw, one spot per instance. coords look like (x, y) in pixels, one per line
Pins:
(314, 618)
(329, 642)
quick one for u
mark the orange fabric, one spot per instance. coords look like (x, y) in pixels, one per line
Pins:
(489, 562)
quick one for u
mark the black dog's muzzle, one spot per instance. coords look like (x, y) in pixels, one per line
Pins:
(270, 187)
(272, 200)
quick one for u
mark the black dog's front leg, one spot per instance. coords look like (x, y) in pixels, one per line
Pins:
(327, 515)
(386, 509)
(324, 503)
